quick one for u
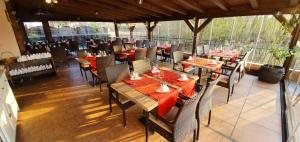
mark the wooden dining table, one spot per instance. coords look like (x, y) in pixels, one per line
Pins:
(231, 54)
(203, 63)
(142, 100)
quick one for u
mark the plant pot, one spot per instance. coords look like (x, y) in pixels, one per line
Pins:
(271, 74)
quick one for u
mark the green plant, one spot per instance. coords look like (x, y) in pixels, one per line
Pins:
(280, 54)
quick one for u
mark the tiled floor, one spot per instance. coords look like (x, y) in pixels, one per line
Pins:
(68, 108)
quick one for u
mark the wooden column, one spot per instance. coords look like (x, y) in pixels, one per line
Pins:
(295, 32)
(150, 29)
(22, 27)
(131, 28)
(17, 31)
(196, 29)
(195, 33)
(293, 42)
(116, 29)
(47, 31)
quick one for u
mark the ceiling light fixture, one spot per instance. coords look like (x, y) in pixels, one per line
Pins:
(140, 2)
(51, 1)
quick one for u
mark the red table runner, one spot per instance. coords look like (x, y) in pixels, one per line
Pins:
(149, 86)
(128, 53)
(92, 60)
(188, 87)
(233, 55)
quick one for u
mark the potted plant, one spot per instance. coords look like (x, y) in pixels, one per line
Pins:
(273, 73)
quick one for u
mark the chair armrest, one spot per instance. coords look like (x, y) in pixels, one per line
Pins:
(227, 67)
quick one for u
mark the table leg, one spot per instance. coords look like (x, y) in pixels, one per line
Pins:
(199, 75)
(147, 125)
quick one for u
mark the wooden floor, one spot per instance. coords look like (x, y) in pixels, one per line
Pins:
(67, 108)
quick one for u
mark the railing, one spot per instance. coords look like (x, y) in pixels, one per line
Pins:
(260, 55)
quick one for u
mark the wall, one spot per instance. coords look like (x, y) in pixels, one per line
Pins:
(8, 43)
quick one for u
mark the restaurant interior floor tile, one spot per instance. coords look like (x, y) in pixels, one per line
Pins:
(68, 108)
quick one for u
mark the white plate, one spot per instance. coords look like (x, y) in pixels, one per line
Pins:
(155, 71)
(139, 78)
(160, 91)
(180, 79)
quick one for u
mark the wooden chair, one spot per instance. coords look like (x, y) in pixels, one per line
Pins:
(168, 55)
(83, 65)
(104, 47)
(99, 73)
(141, 66)
(151, 54)
(243, 62)
(140, 54)
(117, 49)
(129, 46)
(60, 56)
(139, 43)
(200, 51)
(152, 44)
(177, 59)
(179, 122)
(115, 74)
(227, 80)
(146, 43)
(205, 104)
(125, 40)
(180, 47)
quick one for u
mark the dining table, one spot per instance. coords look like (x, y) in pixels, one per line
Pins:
(87, 61)
(130, 54)
(226, 53)
(203, 63)
(144, 92)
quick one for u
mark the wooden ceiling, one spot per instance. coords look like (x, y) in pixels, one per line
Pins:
(151, 10)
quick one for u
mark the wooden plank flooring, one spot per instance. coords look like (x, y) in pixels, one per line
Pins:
(67, 108)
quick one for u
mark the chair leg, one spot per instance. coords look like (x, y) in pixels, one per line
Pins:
(229, 92)
(198, 129)
(240, 76)
(85, 75)
(124, 118)
(80, 71)
(232, 90)
(109, 101)
(209, 116)
(194, 136)
(93, 78)
(100, 85)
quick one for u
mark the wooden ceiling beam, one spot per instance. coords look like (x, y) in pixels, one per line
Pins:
(168, 6)
(192, 6)
(294, 2)
(121, 7)
(111, 8)
(131, 7)
(280, 18)
(190, 25)
(221, 4)
(254, 4)
(149, 7)
(67, 10)
(204, 24)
